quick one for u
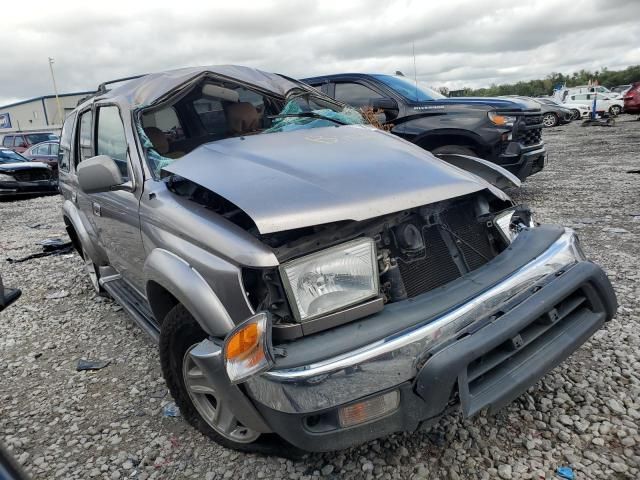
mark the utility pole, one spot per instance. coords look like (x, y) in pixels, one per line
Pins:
(55, 90)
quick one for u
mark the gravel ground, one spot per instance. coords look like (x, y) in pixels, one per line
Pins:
(60, 423)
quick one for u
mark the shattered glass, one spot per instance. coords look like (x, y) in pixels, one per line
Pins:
(347, 116)
(156, 161)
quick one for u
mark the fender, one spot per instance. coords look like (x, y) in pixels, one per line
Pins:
(187, 285)
(492, 173)
(71, 213)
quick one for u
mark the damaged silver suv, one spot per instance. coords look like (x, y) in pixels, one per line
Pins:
(308, 275)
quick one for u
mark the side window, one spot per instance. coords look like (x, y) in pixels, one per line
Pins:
(7, 141)
(53, 148)
(112, 140)
(84, 137)
(19, 141)
(355, 94)
(42, 149)
(64, 152)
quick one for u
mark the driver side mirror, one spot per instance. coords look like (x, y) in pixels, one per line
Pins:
(384, 104)
(99, 174)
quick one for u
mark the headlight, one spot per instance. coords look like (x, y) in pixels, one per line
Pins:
(502, 120)
(6, 178)
(332, 279)
(510, 222)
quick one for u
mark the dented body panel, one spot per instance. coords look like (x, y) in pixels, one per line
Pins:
(303, 178)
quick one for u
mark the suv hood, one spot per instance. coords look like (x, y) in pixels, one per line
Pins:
(304, 178)
(510, 104)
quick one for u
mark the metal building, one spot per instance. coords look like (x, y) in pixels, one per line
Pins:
(40, 113)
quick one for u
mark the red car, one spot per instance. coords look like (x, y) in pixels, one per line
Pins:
(19, 142)
(632, 99)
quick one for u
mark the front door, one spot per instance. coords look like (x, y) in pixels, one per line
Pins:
(115, 213)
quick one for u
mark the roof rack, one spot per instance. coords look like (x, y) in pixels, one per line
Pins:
(102, 88)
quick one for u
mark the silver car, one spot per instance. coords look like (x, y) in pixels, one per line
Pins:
(308, 275)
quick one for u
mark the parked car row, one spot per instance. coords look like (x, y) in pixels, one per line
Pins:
(310, 277)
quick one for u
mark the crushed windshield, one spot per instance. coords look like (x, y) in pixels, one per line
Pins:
(410, 89)
(215, 111)
(304, 110)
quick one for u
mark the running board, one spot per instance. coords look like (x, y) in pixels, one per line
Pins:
(134, 305)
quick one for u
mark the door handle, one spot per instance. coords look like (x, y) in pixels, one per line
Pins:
(97, 211)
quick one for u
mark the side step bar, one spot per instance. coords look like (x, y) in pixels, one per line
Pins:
(133, 304)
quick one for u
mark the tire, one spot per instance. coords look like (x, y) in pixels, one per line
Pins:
(549, 120)
(576, 114)
(615, 110)
(180, 332)
(454, 149)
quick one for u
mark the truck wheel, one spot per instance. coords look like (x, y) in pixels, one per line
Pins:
(549, 120)
(615, 110)
(197, 400)
(455, 150)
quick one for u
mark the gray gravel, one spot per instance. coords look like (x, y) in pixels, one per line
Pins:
(60, 423)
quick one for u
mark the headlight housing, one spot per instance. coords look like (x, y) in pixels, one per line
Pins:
(332, 279)
(512, 221)
(502, 120)
(6, 178)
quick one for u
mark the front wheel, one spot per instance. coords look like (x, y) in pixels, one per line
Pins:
(549, 120)
(575, 114)
(455, 150)
(199, 403)
(615, 110)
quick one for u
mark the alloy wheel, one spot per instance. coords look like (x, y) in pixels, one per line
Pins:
(615, 110)
(549, 120)
(210, 406)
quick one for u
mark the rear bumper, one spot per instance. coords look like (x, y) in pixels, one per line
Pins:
(482, 354)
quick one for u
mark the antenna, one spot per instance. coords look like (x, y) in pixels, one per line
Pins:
(415, 72)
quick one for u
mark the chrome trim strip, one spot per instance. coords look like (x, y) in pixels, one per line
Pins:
(393, 360)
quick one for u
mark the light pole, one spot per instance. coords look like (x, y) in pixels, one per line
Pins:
(55, 90)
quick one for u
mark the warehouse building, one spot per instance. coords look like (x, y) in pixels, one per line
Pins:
(37, 114)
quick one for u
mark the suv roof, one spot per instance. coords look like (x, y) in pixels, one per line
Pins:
(149, 88)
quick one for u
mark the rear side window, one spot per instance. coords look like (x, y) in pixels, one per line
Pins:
(42, 149)
(112, 140)
(355, 94)
(64, 152)
(84, 136)
(7, 141)
(19, 141)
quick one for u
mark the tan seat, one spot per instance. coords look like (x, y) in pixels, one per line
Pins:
(161, 143)
(242, 118)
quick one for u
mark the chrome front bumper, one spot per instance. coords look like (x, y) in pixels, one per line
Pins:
(390, 361)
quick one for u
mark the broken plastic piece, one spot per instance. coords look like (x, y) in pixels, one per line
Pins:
(91, 364)
(171, 410)
(565, 472)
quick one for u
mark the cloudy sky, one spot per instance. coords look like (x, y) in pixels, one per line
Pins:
(457, 43)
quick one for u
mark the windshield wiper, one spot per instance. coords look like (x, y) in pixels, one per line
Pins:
(309, 115)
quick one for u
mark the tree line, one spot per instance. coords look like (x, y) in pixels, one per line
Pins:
(536, 88)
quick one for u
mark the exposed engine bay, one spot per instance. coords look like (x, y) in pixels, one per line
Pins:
(418, 249)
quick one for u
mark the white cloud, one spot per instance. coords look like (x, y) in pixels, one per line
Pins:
(457, 43)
